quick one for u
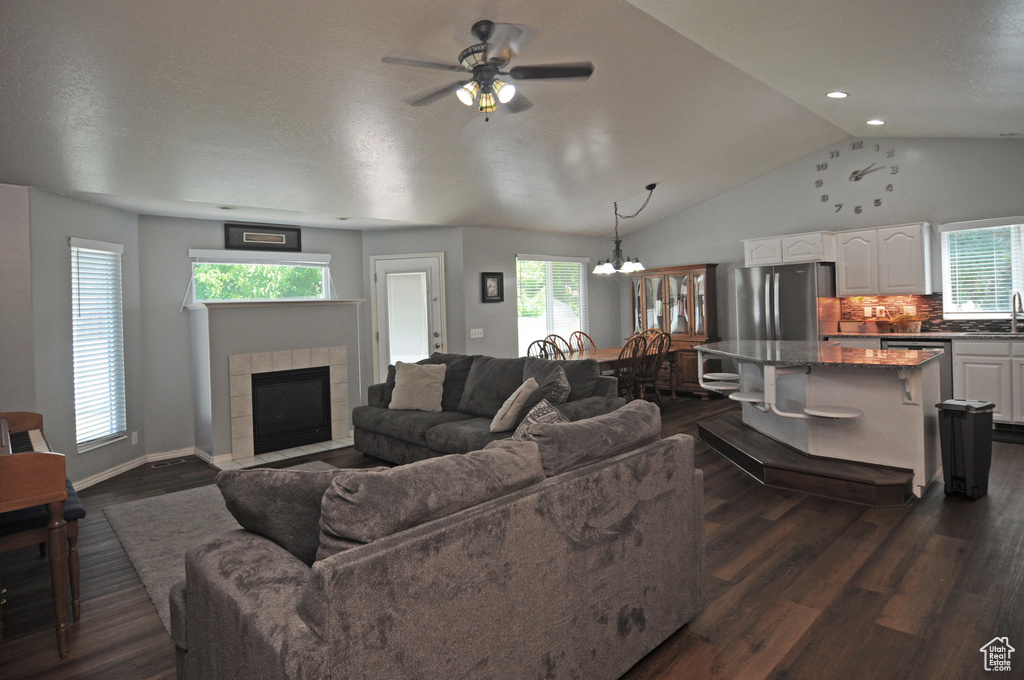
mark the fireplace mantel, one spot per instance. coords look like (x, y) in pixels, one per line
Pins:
(277, 329)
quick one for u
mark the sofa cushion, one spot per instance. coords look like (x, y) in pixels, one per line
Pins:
(582, 374)
(407, 426)
(362, 506)
(463, 435)
(454, 378)
(508, 415)
(418, 387)
(282, 505)
(564, 446)
(489, 384)
(543, 412)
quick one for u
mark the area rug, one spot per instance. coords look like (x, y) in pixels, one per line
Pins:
(155, 532)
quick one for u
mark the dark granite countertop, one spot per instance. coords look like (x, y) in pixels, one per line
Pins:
(800, 353)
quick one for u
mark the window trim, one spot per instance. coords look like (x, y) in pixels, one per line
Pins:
(1017, 272)
(582, 262)
(256, 257)
(120, 396)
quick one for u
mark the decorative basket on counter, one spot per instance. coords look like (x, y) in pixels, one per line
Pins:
(907, 323)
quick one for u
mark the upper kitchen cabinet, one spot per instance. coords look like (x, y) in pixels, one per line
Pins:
(817, 246)
(884, 261)
(679, 300)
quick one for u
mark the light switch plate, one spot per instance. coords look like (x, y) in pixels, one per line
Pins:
(476, 332)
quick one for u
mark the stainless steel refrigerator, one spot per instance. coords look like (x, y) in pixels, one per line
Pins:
(786, 302)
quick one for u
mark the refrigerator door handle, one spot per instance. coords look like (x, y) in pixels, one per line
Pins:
(769, 331)
(778, 312)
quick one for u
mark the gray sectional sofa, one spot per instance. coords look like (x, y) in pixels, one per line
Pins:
(571, 555)
(475, 387)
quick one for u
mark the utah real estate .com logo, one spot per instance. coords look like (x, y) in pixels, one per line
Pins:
(997, 653)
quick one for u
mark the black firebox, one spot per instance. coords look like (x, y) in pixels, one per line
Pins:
(291, 408)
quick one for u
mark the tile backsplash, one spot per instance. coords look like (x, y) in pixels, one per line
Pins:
(931, 305)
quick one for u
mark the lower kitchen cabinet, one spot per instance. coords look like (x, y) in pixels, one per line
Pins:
(991, 370)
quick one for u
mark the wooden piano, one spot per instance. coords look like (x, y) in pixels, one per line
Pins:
(34, 508)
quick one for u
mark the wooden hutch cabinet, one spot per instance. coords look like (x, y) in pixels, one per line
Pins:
(680, 301)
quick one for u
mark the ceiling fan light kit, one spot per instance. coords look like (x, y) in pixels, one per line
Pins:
(486, 61)
(617, 262)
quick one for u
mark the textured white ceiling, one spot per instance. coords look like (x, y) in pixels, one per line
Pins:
(286, 111)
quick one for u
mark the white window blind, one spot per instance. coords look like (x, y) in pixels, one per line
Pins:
(97, 343)
(551, 297)
(981, 267)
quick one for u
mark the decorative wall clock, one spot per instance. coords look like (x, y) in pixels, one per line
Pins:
(856, 177)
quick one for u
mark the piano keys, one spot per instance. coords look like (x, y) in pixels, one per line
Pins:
(23, 441)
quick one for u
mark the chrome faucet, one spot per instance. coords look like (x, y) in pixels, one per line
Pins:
(1015, 306)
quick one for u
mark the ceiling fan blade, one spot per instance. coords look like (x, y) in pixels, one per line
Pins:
(518, 104)
(421, 63)
(577, 70)
(437, 94)
(506, 42)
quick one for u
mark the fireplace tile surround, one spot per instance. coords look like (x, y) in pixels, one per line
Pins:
(241, 368)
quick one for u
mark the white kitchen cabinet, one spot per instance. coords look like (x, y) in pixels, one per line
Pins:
(816, 246)
(984, 370)
(856, 263)
(884, 261)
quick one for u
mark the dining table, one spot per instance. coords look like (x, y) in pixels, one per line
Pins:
(608, 358)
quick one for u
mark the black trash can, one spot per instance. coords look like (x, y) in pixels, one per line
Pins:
(965, 428)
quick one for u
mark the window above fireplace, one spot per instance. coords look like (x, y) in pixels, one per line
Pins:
(230, 275)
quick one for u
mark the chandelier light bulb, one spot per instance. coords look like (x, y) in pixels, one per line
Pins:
(467, 93)
(505, 91)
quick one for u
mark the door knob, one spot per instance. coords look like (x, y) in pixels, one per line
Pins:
(437, 345)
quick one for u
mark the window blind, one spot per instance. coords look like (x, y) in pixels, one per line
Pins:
(981, 268)
(551, 297)
(97, 343)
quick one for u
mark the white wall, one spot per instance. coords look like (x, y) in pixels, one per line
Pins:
(17, 367)
(939, 180)
(54, 219)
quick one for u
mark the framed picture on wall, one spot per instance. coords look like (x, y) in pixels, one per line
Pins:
(492, 287)
(262, 237)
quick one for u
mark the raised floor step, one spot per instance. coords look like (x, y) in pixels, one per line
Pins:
(775, 464)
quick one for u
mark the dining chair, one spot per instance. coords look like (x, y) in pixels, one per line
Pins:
(544, 349)
(581, 342)
(628, 364)
(561, 343)
(652, 363)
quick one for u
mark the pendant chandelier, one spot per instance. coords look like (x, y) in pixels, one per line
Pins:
(618, 263)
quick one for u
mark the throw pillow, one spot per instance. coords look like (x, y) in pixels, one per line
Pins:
(505, 419)
(361, 506)
(543, 412)
(582, 374)
(418, 387)
(282, 505)
(454, 378)
(564, 446)
(554, 390)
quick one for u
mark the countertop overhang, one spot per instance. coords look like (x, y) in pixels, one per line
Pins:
(932, 335)
(801, 353)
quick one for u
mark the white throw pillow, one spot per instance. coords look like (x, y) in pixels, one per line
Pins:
(505, 418)
(418, 387)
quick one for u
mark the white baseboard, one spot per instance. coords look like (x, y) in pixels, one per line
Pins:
(131, 465)
(213, 460)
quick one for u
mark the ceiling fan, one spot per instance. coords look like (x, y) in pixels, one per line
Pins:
(487, 60)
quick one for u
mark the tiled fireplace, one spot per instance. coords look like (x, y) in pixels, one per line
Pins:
(241, 368)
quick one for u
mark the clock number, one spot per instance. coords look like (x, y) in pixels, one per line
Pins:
(878, 202)
(824, 198)
(818, 183)
(833, 154)
(839, 206)
(890, 153)
(858, 210)
(888, 187)
(822, 166)
(893, 169)
(856, 145)
(878, 147)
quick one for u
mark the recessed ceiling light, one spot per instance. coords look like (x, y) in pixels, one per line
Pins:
(837, 94)
(343, 219)
(228, 207)
(1009, 134)
(875, 121)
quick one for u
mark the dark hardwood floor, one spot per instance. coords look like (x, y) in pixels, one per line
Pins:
(799, 586)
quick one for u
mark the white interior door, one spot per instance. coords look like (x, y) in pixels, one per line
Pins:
(408, 309)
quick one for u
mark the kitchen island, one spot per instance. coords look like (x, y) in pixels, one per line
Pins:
(842, 403)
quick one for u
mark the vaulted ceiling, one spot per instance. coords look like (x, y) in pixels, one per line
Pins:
(285, 112)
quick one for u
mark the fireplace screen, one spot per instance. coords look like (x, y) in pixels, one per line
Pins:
(291, 408)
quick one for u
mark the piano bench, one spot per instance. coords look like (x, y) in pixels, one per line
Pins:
(27, 526)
